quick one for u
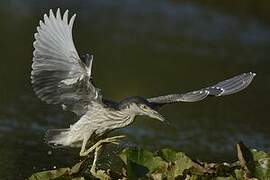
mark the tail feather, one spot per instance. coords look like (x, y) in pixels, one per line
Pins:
(56, 137)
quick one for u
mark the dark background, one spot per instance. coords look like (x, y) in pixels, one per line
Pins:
(146, 48)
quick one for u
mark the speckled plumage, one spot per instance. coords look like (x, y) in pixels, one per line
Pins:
(98, 120)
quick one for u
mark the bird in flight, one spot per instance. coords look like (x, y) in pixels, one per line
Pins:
(60, 76)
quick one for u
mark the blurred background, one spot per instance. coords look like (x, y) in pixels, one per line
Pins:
(146, 48)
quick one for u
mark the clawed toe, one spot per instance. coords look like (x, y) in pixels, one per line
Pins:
(96, 147)
(113, 140)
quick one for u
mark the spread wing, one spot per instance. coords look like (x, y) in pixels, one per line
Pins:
(58, 74)
(222, 88)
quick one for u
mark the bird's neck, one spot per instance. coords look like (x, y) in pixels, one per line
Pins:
(127, 117)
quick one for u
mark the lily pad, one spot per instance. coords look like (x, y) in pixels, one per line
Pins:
(262, 164)
(178, 162)
(224, 178)
(239, 174)
(52, 174)
(169, 164)
(57, 174)
(141, 163)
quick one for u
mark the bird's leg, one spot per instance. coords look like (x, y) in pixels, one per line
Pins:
(113, 140)
(99, 174)
(82, 152)
(93, 168)
(83, 147)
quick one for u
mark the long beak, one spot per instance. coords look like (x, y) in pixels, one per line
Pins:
(154, 114)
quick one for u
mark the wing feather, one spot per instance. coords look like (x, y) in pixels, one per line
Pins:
(226, 87)
(58, 74)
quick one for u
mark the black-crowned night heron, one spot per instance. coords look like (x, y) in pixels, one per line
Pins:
(60, 76)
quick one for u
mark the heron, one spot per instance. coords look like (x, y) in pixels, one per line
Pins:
(60, 76)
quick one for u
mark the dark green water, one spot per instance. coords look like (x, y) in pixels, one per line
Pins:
(144, 48)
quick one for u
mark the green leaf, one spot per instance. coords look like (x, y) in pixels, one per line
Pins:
(78, 178)
(257, 155)
(53, 174)
(196, 177)
(57, 174)
(171, 155)
(169, 164)
(224, 178)
(178, 162)
(262, 171)
(239, 174)
(141, 163)
(262, 164)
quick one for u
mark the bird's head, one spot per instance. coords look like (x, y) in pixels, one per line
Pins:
(140, 106)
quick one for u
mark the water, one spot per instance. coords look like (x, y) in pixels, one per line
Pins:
(144, 48)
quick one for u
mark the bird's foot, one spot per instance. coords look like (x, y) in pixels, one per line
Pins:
(113, 140)
(100, 174)
(93, 168)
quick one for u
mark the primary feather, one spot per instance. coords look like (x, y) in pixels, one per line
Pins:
(59, 76)
(226, 87)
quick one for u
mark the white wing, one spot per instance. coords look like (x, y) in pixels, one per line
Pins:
(59, 76)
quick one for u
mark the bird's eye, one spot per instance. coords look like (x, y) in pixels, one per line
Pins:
(144, 107)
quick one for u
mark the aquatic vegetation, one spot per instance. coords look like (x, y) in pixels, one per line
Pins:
(168, 164)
